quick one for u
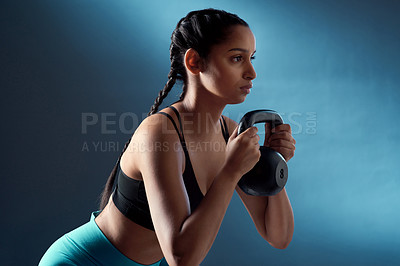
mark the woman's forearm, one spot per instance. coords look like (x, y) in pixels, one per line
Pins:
(279, 220)
(199, 230)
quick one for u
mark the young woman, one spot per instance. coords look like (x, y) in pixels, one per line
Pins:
(179, 170)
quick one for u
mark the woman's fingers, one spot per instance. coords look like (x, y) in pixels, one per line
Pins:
(281, 137)
(281, 140)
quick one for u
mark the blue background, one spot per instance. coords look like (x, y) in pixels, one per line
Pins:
(331, 68)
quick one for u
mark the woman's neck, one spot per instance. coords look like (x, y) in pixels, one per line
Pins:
(200, 113)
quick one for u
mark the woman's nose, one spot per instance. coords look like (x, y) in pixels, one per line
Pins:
(250, 73)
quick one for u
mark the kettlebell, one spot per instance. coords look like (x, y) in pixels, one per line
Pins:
(270, 174)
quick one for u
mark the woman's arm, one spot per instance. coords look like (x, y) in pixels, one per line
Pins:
(185, 238)
(273, 215)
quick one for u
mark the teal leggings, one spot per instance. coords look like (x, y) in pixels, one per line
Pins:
(87, 245)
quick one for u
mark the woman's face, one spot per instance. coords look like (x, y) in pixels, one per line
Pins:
(229, 70)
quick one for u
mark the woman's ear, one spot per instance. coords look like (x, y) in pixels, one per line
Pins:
(193, 62)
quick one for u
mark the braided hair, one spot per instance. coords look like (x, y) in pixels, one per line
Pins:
(199, 30)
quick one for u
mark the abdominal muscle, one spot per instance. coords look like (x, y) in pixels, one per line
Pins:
(134, 241)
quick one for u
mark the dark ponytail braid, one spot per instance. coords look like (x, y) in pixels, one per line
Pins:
(177, 71)
(199, 30)
(164, 92)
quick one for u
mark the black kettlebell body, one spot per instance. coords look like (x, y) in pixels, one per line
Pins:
(269, 175)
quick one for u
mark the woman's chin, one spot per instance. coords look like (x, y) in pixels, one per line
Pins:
(239, 100)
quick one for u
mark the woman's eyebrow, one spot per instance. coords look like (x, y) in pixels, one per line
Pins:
(241, 50)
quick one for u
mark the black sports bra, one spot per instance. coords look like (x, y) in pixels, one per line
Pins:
(130, 196)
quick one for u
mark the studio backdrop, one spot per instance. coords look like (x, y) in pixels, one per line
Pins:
(77, 78)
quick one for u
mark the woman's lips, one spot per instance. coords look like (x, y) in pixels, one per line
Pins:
(246, 88)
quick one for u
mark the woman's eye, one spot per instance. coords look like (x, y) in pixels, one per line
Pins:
(240, 58)
(237, 58)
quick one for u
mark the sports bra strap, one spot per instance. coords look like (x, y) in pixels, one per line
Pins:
(180, 121)
(225, 131)
(224, 127)
(176, 128)
(177, 114)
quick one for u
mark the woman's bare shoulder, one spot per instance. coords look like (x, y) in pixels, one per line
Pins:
(156, 127)
(154, 141)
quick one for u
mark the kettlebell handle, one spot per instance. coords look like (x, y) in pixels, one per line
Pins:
(259, 116)
(270, 173)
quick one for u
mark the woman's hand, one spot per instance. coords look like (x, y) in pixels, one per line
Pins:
(242, 151)
(280, 139)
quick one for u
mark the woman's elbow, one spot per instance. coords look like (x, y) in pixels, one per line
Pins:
(178, 260)
(173, 260)
(182, 257)
(280, 244)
